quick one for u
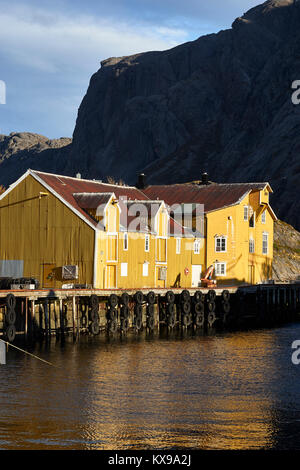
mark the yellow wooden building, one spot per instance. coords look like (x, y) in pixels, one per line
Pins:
(70, 231)
(238, 228)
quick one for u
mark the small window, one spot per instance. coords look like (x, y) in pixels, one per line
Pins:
(220, 269)
(145, 269)
(125, 246)
(197, 247)
(265, 246)
(263, 217)
(221, 244)
(246, 213)
(251, 246)
(147, 243)
(178, 246)
(252, 221)
(124, 269)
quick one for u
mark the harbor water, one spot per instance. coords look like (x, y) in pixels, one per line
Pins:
(235, 390)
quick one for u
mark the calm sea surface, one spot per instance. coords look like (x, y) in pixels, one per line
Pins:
(229, 391)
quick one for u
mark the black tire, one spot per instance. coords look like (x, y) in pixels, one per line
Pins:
(211, 319)
(185, 296)
(124, 311)
(170, 309)
(150, 323)
(171, 320)
(139, 297)
(150, 310)
(112, 326)
(226, 307)
(10, 333)
(113, 300)
(10, 301)
(124, 324)
(200, 320)
(94, 316)
(199, 308)
(138, 323)
(10, 317)
(112, 314)
(151, 298)
(94, 301)
(185, 320)
(211, 295)
(125, 299)
(211, 306)
(138, 310)
(94, 328)
(198, 297)
(225, 295)
(170, 297)
(186, 307)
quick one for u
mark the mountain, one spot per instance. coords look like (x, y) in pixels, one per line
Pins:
(22, 150)
(286, 265)
(221, 103)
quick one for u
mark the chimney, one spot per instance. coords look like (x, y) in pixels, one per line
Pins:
(141, 184)
(204, 178)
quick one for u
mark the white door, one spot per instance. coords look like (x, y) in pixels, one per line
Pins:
(196, 275)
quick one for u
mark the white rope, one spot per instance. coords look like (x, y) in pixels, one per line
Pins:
(26, 352)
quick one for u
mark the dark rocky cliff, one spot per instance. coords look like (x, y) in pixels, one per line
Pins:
(221, 103)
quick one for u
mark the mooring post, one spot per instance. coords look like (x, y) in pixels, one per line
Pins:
(74, 315)
(26, 317)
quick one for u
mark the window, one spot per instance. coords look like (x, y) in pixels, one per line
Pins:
(220, 269)
(263, 217)
(252, 220)
(197, 247)
(125, 246)
(124, 269)
(265, 244)
(251, 246)
(147, 243)
(145, 269)
(178, 246)
(221, 244)
(246, 213)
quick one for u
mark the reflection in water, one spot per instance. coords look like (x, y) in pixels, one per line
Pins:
(229, 391)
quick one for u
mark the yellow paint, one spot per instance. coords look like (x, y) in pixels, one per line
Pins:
(43, 232)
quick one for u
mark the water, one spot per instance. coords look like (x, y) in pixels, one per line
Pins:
(229, 391)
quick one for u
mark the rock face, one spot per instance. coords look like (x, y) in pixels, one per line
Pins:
(286, 265)
(20, 151)
(221, 103)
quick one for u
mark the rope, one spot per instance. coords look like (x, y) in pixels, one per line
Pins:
(26, 352)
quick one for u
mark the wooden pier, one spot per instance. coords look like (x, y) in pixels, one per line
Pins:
(42, 313)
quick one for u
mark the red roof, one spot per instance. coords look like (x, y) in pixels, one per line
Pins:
(213, 196)
(66, 186)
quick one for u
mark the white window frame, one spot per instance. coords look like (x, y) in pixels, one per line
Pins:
(264, 217)
(145, 269)
(218, 269)
(246, 208)
(197, 247)
(124, 269)
(147, 243)
(251, 245)
(178, 246)
(265, 234)
(222, 237)
(125, 242)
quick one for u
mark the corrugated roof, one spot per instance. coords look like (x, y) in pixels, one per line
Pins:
(66, 186)
(92, 200)
(213, 196)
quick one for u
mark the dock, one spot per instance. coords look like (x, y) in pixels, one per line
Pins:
(60, 312)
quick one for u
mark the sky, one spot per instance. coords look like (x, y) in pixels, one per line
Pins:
(49, 49)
